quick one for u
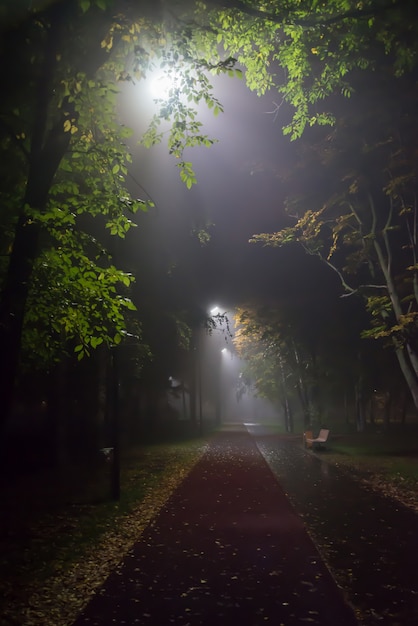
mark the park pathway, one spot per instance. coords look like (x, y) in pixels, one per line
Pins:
(370, 541)
(227, 549)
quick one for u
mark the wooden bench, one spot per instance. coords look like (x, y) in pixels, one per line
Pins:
(319, 441)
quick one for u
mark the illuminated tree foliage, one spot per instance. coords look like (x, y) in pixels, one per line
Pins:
(64, 197)
(58, 124)
(357, 212)
(64, 193)
(260, 342)
(308, 50)
(290, 358)
(313, 53)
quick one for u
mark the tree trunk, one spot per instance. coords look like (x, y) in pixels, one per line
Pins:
(409, 366)
(115, 426)
(102, 397)
(16, 287)
(194, 376)
(46, 153)
(409, 374)
(403, 407)
(387, 411)
(302, 390)
(346, 411)
(288, 416)
(59, 415)
(360, 417)
(183, 400)
(48, 147)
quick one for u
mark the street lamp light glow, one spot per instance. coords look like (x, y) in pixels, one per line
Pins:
(161, 86)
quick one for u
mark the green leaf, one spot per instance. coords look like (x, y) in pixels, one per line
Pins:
(84, 5)
(130, 305)
(66, 166)
(96, 341)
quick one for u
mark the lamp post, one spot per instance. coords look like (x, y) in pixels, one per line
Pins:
(221, 325)
(220, 373)
(215, 380)
(196, 410)
(115, 424)
(199, 384)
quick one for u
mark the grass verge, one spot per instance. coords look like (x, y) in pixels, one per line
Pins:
(388, 462)
(59, 543)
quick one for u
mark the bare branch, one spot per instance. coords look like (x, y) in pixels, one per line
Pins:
(386, 237)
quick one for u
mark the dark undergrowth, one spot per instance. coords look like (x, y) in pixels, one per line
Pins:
(51, 520)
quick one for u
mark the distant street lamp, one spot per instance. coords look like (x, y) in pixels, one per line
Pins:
(221, 326)
(196, 407)
(220, 373)
(214, 384)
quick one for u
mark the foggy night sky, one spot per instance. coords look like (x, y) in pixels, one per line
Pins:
(238, 190)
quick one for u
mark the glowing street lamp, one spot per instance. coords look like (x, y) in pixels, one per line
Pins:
(162, 85)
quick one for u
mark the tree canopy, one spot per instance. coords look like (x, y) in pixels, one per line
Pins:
(64, 194)
(359, 214)
(308, 51)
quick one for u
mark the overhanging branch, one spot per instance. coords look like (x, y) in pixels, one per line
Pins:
(286, 17)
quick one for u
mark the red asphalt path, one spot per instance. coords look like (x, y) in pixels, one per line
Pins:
(227, 549)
